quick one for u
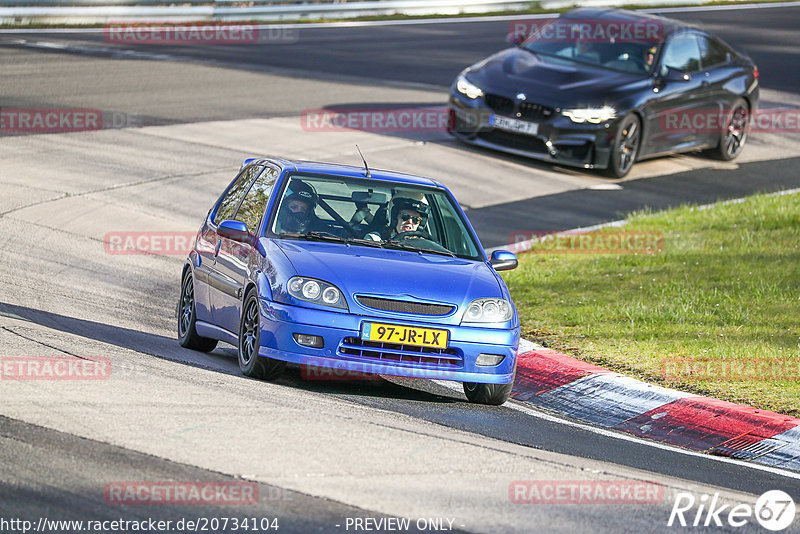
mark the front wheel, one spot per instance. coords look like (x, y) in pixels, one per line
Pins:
(733, 137)
(250, 363)
(187, 319)
(493, 394)
(625, 147)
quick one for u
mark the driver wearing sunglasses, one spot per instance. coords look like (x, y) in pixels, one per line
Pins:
(408, 215)
(408, 221)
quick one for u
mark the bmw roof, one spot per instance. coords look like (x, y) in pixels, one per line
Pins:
(669, 25)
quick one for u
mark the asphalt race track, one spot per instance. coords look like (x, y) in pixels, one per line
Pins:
(320, 453)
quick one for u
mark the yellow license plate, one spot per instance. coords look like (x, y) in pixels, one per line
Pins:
(404, 335)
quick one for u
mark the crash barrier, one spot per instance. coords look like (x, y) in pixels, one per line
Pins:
(103, 11)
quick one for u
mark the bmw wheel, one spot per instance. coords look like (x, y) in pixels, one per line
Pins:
(625, 147)
(187, 318)
(733, 137)
(250, 362)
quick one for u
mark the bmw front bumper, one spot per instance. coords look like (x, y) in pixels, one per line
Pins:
(558, 140)
(344, 350)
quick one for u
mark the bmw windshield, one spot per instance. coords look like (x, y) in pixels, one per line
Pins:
(621, 45)
(375, 213)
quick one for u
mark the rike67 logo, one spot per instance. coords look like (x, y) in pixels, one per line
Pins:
(774, 510)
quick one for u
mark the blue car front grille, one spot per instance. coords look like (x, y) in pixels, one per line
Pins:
(396, 353)
(404, 306)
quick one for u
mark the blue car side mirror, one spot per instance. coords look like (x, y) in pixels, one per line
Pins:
(236, 231)
(503, 260)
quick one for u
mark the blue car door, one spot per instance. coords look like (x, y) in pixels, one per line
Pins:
(219, 285)
(233, 257)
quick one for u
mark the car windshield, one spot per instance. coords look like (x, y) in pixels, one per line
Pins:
(373, 213)
(627, 46)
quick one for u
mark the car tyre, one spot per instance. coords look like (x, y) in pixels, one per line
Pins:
(492, 394)
(625, 148)
(187, 319)
(734, 136)
(250, 363)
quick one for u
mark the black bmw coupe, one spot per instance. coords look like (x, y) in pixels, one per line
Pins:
(604, 88)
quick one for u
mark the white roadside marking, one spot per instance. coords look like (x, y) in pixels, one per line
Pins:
(520, 407)
(526, 245)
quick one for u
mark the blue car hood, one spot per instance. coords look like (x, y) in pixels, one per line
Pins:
(396, 274)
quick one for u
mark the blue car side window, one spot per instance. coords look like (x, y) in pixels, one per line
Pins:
(252, 207)
(230, 202)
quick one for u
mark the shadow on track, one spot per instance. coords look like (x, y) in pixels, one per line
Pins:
(222, 360)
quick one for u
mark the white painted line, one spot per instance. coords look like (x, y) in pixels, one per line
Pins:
(446, 20)
(524, 246)
(521, 407)
(605, 187)
(736, 7)
(740, 200)
(528, 244)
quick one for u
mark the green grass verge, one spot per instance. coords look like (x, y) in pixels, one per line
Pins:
(535, 9)
(716, 312)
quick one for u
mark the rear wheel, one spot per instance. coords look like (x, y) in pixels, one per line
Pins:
(250, 362)
(187, 318)
(625, 147)
(493, 394)
(734, 135)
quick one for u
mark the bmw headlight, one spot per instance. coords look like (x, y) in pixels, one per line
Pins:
(468, 89)
(591, 115)
(316, 291)
(488, 311)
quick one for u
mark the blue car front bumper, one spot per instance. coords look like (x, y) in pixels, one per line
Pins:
(344, 350)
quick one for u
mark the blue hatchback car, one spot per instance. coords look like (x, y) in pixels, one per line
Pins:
(345, 268)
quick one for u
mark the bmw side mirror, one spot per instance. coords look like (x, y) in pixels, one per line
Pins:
(515, 38)
(503, 260)
(235, 231)
(671, 74)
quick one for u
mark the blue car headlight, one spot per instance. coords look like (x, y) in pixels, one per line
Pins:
(488, 311)
(468, 89)
(316, 291)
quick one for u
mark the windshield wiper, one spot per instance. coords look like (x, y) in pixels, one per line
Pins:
(364, 242)
(327, 236)
(321, 236)
(405, 246)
